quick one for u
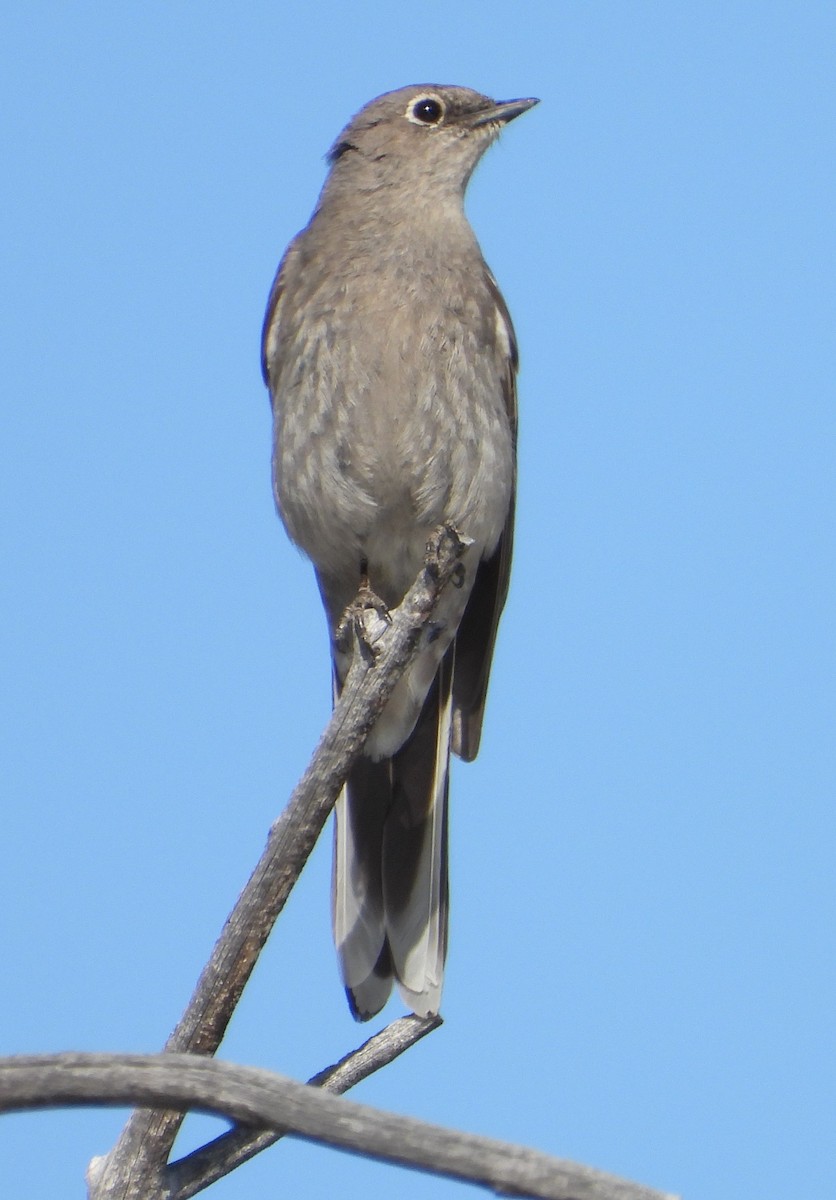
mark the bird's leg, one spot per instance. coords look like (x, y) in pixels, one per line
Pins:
(365, 620)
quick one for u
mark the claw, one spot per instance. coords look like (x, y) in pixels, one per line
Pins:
(365, 620)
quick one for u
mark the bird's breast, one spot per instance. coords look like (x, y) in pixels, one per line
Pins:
(391, 420)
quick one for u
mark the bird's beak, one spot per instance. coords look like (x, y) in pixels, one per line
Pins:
(502, 112)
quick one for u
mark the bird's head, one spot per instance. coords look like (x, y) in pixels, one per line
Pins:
(430, 135)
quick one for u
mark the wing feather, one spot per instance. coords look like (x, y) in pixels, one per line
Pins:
(477, 630)
(272, 327)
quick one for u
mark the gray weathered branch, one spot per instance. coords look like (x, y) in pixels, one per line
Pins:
(190, 1174)
(264, 1106)
(135, 1168)
(260, 1098)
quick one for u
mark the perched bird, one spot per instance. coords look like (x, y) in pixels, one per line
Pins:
(390, 359)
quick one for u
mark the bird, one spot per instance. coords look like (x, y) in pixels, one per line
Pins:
(391, 360)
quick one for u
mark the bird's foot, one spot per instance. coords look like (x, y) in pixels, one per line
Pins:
(365, 621)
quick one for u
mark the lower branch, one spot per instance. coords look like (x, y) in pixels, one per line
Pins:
(190, 1174)
(260, 1098)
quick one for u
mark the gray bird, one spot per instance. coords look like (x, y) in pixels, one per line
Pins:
(391, 361)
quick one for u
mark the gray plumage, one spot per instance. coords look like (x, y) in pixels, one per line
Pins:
(390, 359)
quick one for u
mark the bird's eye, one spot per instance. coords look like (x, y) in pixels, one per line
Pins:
(427, 110)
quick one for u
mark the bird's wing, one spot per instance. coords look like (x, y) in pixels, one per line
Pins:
(271, 329)
(477, 630)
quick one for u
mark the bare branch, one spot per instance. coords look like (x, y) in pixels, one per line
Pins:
(190, 1174)
(135, 1167)
(260, 1098)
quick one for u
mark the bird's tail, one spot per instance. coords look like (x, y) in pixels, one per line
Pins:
(389, 890)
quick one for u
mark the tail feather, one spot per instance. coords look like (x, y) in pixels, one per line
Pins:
(367, 998)
(389, 891)
(357, 888)
(415, 853)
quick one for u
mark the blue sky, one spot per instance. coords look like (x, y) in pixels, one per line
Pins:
(641, 971)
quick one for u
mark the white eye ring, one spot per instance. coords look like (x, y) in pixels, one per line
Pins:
(433, 110)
